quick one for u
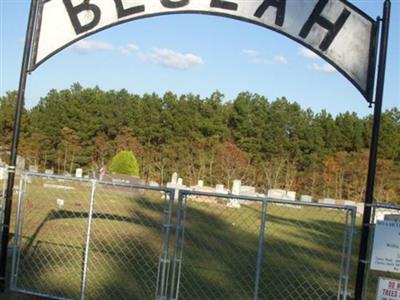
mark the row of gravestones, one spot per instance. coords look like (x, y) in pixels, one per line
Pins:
(245, 190)
(237, 189)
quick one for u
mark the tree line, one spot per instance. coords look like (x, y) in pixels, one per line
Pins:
(267, 144)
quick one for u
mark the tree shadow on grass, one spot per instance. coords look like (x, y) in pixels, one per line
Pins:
(219, 254)
(295, 264)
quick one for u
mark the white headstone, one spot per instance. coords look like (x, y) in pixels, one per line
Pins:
(200, 183)
(246, 189)
(276, 193)
(60, 202)
(49, 171)
(306, 198)
(78, 172)
(33, 168)
(236, 187)
(329, 201)
(350, 203)
(2, 173)
(360, 208)
(180, 181)
(219, 188)
(174, 178)
(290, 195)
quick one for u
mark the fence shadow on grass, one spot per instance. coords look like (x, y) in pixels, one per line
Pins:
(219, 254)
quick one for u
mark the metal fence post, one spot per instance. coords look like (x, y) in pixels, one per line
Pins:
(343, 259)
(260, 250)
(346, 254)
(164, 261)
(17, 236)
(86, 253)
(350, 235)
(369, 250)
(177, 257)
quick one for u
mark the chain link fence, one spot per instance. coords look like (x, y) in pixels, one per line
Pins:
(88, 239)
(233, 247)
(380, 212)
(78, 239)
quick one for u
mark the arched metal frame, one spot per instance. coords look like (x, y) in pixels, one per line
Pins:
(27, 66)
(367, 94)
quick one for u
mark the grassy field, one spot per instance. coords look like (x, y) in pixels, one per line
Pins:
(301, 260)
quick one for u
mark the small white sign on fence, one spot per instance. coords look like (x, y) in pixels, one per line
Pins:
(388, 289)
(386, 247)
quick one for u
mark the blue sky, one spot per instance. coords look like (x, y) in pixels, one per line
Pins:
(197, 54)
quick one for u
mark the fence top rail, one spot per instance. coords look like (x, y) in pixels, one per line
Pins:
(102, 182)
(268, 199)
(386, 205)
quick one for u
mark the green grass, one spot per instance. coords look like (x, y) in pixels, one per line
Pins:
(302, 248)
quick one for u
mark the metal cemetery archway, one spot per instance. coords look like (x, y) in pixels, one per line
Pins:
(336, 30)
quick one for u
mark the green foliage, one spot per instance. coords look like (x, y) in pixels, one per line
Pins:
(266, 143)
(124, 163)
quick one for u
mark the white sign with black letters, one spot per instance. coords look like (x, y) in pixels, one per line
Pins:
(386, 247)
(334, 29)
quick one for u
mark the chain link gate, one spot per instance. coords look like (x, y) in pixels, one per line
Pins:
(83, 238)
(260, 249)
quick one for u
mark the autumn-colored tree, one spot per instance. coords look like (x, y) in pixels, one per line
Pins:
(103, 148)
(277, 143)
(69, 149)
(231, 162)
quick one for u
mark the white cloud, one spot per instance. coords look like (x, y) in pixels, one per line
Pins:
(86, 46)
(172, 59)
(161, 56)
(128, 48)
(325, 68)
(316, 66)
(308, 53)
(280, 59)
(132, 47)
(256, 58)
(250, 52)
(261, 61)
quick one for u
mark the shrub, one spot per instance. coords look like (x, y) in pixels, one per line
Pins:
(124, 163)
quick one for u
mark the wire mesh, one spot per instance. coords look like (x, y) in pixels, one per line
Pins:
(379, 211)
(304, 256)
(125, 243)
(219, 250)
(85, 239)
(51, 236)
(305, 249)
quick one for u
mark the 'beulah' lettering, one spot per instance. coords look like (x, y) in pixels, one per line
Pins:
(333, 28)
(280, 10)
(74, 11)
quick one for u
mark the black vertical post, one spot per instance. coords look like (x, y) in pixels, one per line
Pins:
(373, 156)
(15, 139)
